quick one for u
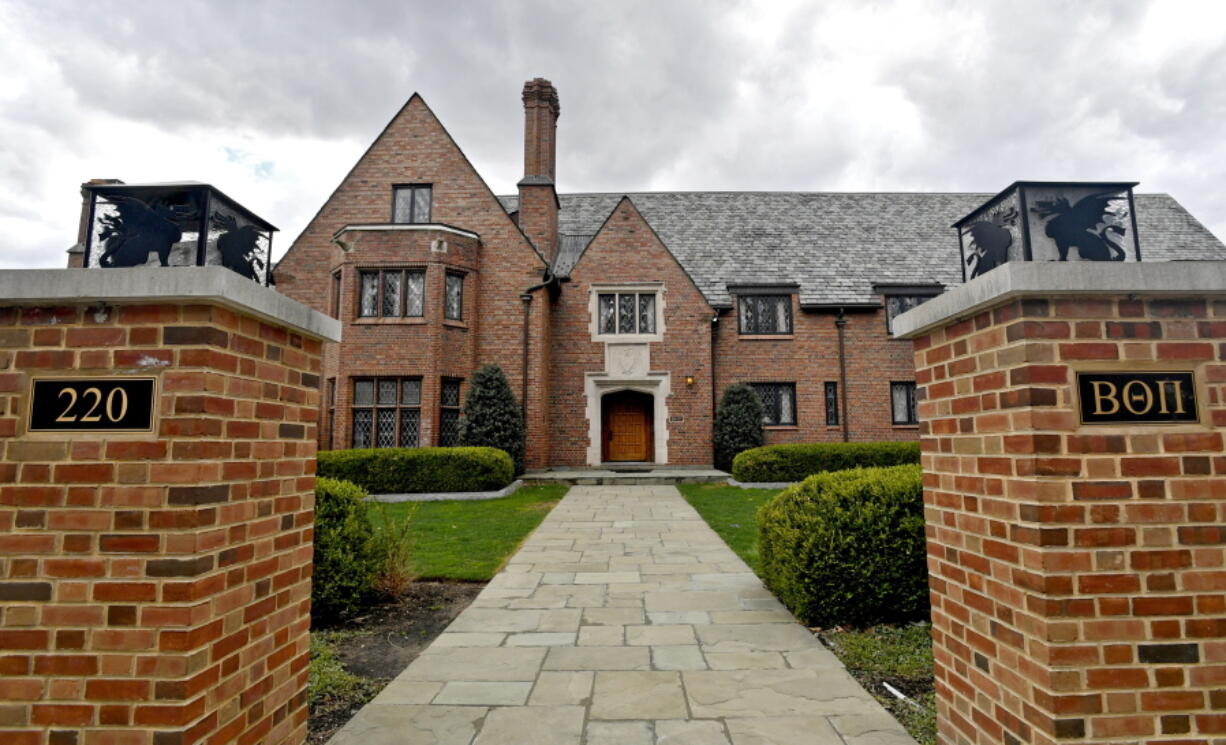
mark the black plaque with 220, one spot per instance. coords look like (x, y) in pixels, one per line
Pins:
(92, 405)
(1137, 397)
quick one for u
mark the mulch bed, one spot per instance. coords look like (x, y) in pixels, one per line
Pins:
(390, 636)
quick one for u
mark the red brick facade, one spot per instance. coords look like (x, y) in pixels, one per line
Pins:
(155, 588)
(1078, 571)
(502, 262)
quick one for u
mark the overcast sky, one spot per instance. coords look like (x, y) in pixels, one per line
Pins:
(273, 101)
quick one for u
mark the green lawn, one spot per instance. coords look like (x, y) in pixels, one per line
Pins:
(469, 540)
(900, 656)
(731, 512)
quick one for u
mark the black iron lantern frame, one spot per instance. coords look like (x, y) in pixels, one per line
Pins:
(175, 224)
(1003, 228)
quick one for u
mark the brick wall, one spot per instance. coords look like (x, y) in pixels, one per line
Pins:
(627, 251)
(155, 588)
(429, 347)
(1078, 572)
(809, 358)
(416, 148)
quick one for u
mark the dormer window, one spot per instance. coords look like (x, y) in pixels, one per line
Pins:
(411, 203)
(900, 299)
(765, 314)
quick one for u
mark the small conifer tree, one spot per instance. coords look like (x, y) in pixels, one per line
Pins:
(492, 416)
(738, 424)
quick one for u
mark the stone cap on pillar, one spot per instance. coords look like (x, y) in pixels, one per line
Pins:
(145, 285)
(1054, 279)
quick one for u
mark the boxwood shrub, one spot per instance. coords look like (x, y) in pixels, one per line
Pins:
(847, 548)
(408, 470)
(794, 462)
(347, 555)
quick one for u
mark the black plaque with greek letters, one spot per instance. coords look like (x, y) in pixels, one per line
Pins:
(92, 405)
(1137, 397)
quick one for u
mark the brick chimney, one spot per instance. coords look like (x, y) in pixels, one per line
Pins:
(76, 253)
(538, 198)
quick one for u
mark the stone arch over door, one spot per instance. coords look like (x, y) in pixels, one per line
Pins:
(626, 423)
(656, 385)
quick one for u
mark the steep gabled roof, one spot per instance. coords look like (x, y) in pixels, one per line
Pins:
(836, 246)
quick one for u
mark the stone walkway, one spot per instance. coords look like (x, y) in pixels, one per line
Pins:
(624, 620)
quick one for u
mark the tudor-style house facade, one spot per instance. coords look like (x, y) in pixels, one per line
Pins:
(619, 319)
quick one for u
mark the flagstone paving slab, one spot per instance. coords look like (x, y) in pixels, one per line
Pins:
(624, 620)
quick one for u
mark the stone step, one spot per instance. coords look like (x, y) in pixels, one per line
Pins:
(627, 477)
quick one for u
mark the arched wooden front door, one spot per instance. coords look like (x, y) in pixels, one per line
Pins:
(626, 426)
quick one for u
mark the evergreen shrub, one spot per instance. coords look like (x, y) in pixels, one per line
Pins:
(347, 555)
(738, 424)
(492, 416)
(411, 470)
(847, 547)
(796, 461)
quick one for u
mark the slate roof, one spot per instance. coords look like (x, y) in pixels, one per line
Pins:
(836, 246)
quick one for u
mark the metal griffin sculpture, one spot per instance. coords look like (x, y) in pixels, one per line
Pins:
(1078, 225)
(990, 242)
(137, 229)
(238, 246)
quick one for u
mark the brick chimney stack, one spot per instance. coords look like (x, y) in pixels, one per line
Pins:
(538, 198)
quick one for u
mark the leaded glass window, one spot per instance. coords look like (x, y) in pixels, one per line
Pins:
(391, 293)
(369, 293)
(832, 403)
(412, 203)
(779, 401)
(449, 413)
(331, 434)
(647, 314)
(336, 294)
(896, 305)
(902, 403)
(765, 314)
(386, 412)
(453, 301)
(626, 313)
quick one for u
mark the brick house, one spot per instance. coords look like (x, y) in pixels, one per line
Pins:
(620, 318)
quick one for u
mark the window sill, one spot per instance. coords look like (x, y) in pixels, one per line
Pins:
(626, 338)
(401, 321)
(766, 337)
(780, 427)
(455, 324)
(896, 425)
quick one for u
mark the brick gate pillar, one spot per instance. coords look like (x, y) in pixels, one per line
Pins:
(155, 584)
(1077, 567)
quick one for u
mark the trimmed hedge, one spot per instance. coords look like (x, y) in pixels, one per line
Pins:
(409, 470)
(796, 462)
(847, 548)
(347, 556)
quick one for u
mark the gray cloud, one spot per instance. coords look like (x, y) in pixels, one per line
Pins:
(281, 96)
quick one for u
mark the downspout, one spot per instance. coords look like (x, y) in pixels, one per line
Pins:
(714, 389)
(841, 324)
(526, 297)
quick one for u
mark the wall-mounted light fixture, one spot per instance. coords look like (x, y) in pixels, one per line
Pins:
(689, 380)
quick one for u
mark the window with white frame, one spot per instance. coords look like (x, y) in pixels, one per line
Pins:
(624, 313)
